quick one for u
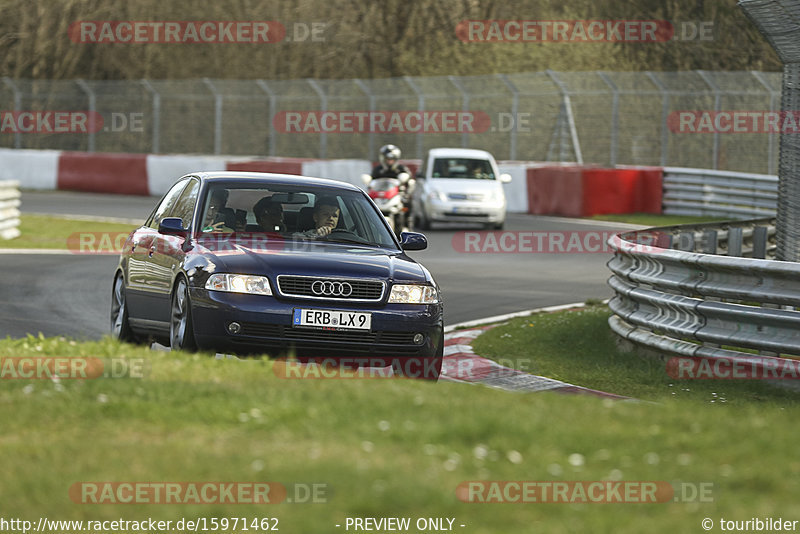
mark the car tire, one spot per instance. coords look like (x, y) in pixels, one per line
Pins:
(181, 329)
(120, 326)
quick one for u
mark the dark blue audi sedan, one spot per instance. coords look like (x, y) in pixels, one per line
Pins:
(238, 262)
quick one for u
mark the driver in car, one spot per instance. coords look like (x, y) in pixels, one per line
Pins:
(326, 217)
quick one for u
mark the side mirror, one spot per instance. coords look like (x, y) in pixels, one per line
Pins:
(505, 178)
(172, 226)
(413, 241)
(366, 178)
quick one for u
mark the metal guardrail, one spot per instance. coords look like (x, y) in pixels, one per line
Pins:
(734, 195)
(689, 291)
(9, 209)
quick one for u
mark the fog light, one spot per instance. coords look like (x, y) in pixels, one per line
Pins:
(419, 339)
(234, 328)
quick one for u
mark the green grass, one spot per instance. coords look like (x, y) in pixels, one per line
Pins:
(649, 219)
(577, 346)
(42, 231)
(393, 448)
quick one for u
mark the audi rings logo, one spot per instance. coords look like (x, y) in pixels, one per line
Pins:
(331, 289)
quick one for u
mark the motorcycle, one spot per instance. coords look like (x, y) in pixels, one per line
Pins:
(391, 197)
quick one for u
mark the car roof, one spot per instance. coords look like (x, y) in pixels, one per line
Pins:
(459, 153)
(254, 178)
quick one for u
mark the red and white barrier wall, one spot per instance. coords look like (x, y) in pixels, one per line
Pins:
(542, 189)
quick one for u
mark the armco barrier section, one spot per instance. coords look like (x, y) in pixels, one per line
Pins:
(577, 191)
(691, 303)
(735, 195)
(9, 209)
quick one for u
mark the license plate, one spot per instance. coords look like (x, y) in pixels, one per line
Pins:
(334, 319)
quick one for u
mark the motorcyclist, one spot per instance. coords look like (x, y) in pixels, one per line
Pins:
(390, 167)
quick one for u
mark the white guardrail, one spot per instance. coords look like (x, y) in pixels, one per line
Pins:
(706, 290)
(702, 192)
(9, 209)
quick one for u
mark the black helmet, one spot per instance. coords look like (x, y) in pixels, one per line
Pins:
(389, 152)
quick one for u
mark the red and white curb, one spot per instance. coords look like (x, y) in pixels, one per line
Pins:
(461, 364)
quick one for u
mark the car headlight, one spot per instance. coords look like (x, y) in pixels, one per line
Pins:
(239, 283)
(413, 294)
(437, 195)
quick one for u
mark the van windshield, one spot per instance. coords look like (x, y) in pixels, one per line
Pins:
(478, 169)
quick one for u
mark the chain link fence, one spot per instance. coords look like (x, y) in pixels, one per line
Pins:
(604, 118)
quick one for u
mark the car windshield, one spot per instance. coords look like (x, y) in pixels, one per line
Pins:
(294, 213)
(478, 169)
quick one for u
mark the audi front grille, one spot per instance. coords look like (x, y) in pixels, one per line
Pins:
(315, 287)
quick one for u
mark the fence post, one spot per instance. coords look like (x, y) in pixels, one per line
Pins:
(464, 106)
(17, 108)
(512, 155)
(323, 104)
(156, 116)
(272, 110)
(371, 96)
(421, 109)
(217, 115)
(771, 135)
(92, 108)
(614, 117)
(567, 105)
(717, 105)
(664, 115)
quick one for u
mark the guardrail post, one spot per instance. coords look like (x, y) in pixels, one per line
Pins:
(735, 238)
(686, 241)
(709, 242)
(760, 239)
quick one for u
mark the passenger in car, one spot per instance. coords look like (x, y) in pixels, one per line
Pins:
(269, 215)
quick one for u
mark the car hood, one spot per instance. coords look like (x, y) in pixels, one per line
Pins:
(308, 258)
(464, 185)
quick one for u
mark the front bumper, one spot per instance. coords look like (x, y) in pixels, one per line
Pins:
(451, 211)
(266, 327)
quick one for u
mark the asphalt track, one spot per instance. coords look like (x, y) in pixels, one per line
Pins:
(69, 295)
